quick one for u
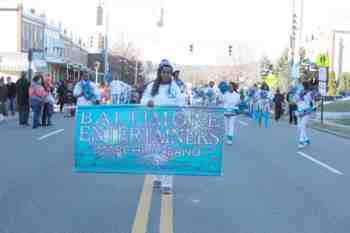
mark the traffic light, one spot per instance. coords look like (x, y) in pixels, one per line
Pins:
(101, 41)
(91, 41)
(191, 48)
(294, 26)
(230, 50)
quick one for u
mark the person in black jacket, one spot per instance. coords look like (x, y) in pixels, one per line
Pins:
(3, 97)
(22, 89)
(61, 92)
(11, 95)
(279, 101)
(292, 106)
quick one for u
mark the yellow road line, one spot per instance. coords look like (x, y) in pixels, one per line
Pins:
(141, 218)
(166, 214)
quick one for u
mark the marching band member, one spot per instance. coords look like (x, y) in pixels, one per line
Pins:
(305, 108)
(211, 94)
(231, 100)
(263, 105)
(119, 91)
(86, 92)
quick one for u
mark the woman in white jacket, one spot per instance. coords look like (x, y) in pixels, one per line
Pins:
(163, 91)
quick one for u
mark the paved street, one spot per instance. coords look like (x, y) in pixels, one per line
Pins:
(267, 187)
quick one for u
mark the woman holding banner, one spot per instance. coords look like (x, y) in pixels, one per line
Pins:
(163, 91)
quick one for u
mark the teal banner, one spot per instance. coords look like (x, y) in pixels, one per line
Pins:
(137, 139)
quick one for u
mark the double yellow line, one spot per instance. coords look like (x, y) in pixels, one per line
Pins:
(142, 213)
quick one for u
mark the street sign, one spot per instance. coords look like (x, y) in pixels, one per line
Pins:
(322, 74)
(323, 60)
(322, 81)
(141, 140)
(322, 88)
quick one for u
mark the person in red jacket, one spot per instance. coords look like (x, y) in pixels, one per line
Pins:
(37, 94)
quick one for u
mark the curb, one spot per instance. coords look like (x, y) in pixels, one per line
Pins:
(330, 132)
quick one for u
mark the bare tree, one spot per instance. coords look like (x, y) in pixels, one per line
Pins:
(241, 67)
(125, 49)
(123, 59)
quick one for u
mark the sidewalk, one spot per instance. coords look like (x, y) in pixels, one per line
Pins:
(331, 128)
(327, 122)
(333, 115)
(8, 118)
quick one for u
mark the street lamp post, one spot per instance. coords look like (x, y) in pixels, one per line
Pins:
(30, 59)
(97, 66)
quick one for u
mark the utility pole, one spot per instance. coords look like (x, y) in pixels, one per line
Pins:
(340, 57)
(301, 22)
(30, 59)
(292, 41)
(106, 46)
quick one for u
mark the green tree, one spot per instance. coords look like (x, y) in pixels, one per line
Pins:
(332, 86)
(265, 66)
(281, 71)
(344, 83)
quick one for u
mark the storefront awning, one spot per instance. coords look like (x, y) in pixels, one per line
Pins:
(13, 62)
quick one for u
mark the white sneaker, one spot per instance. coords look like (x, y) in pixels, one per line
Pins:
(229, 140)
(301, 145)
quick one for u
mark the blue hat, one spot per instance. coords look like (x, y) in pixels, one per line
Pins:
(165, 63)
(223, 87)
(263, 94)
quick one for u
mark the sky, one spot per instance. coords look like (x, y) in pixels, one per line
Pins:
(257, 26)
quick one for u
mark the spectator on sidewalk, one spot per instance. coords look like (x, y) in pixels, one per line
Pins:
(22, 90)
(48, 102)
(69, 101)
(278, 101)
(37, 94)
(61, 93)
(3, 98)
(11, 95)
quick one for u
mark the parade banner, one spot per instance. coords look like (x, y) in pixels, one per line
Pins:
(137, 139)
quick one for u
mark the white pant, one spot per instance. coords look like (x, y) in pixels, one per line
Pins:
(302, 124)
(167, 181)
(230, 125)
(115, 98)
